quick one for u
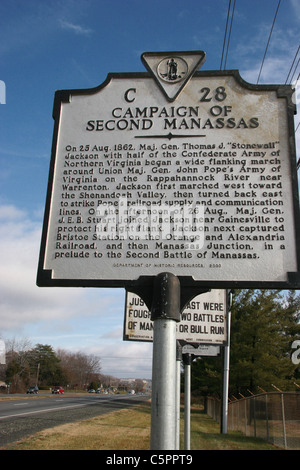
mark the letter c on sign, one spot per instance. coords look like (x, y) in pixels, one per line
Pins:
(127, 93)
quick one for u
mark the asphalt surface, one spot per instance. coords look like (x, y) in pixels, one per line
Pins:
(23, 417)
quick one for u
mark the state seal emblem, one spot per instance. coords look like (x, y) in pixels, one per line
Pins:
(172, 69)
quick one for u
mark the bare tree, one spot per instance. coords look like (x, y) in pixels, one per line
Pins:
(79, 369)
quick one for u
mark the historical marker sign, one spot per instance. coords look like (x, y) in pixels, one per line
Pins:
(201, 349)
(202, 321)
(173, 170)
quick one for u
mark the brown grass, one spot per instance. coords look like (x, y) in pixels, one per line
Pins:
(125, 429)
(129, 429)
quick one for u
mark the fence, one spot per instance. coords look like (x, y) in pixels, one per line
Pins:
(274, 417)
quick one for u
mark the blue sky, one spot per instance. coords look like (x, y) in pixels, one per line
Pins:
(65, 44)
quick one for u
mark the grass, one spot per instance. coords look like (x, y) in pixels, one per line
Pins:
(129, 429)
(126, 429)
(205, 435)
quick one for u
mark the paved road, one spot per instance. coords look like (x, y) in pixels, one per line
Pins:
(20, 418)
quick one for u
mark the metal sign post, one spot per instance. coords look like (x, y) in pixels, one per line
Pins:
(165, 313)
(189, 351)
(178, 389)
(166, 298)
(226, 360)
(187, 360)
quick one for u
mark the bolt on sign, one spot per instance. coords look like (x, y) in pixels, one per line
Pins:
(174, 169)
(203, 320)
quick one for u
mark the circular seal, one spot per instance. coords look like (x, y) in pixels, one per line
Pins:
(172, 69)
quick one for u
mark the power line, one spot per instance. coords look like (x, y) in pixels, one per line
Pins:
(262, 64)
(265, 53)
(295, 92)
(293, 65)
(291, 80)
(295, 71)
(229, 34)
(224, 42)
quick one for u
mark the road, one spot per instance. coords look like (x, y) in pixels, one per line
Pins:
(26, 416)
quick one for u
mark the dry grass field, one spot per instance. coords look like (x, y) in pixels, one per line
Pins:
(130, 430)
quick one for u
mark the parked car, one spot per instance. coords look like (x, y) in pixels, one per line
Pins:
(91, 390)
(33, 390)
(57, 390)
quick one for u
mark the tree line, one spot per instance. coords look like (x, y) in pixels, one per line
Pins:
(42, 366)
(28, 366)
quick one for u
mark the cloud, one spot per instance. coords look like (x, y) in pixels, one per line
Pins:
(271, 71)
(125, 359)
(296, 8)
(75, 28)
(10, 212)
(279, 56)
(21, 301)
